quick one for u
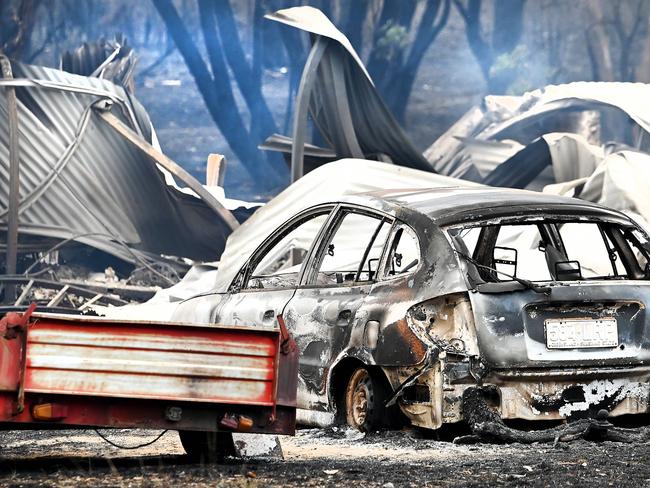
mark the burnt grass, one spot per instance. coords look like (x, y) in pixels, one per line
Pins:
(323, 458)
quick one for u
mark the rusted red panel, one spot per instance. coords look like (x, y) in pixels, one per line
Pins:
(9, 364)
(156, 361)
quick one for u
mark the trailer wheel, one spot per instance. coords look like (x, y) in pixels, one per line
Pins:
(207, 447)
(365, 397)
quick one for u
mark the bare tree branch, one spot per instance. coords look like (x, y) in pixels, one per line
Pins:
(216, 91)
(356, 17)
(506, 32)
(14, 26)
(471, 13)
(160, 60)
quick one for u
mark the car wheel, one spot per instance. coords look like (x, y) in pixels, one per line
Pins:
(207, 447)
(365, 397)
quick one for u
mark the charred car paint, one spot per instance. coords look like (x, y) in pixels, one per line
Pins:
(384, 281)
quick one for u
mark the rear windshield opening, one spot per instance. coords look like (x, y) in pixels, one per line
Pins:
(553, 251)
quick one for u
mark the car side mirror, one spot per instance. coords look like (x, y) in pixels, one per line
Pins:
(505, 260)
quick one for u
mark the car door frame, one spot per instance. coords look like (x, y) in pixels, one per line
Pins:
(314, 259)
(244, 274)
(238, 293)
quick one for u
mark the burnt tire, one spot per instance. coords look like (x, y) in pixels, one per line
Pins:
(364, 401)
(207, 447)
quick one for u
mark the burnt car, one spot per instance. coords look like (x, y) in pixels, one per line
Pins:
(404, 299)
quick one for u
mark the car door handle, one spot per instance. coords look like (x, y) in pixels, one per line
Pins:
(344, 318)
(268, 315)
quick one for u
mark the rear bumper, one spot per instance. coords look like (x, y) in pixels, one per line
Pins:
(536, 394)
(555, 395)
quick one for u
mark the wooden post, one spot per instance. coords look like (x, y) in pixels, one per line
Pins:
(216, 170)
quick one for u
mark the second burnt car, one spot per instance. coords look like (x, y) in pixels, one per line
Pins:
(407, 298)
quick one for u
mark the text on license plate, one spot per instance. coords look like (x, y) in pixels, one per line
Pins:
(575, 333)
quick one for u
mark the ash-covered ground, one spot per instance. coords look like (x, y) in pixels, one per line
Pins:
(317, 458)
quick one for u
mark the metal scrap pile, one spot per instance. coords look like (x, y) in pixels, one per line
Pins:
(588, 140)
(100, 218)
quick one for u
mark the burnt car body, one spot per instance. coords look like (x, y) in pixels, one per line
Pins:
(410, 297)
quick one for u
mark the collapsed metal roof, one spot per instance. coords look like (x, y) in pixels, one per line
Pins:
(489, 134)
(344, 104)
(89, 171)
(589, 140)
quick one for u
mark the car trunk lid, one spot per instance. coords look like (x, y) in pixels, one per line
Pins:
(576, 324)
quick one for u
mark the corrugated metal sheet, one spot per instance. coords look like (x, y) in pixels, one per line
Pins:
(157, 361)
(522, 118)
(80, 178)
(344, 103)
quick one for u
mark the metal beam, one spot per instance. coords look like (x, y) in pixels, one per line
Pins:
(59, 296)
(124, 130)
(343, 109)
(14, 180)
(302, 107)
(25, 293)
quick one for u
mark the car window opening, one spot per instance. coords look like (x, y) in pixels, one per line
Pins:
(548, 251)
(280, 263)
(404, 255)
(354, 250)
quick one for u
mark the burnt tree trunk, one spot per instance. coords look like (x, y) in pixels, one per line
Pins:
(216, 88)
(393, 63)
(506, 33)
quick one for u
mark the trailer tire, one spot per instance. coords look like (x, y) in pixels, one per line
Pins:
(207, 447)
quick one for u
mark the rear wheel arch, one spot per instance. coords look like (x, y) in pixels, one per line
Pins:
(340, 375)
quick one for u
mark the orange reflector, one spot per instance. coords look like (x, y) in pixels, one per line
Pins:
(245, 423)
(49, 411)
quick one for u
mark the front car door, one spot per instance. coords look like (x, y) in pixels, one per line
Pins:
(267, 282)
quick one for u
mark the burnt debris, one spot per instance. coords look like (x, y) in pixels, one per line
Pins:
(488, 426)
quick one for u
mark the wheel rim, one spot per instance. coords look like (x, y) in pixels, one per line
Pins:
(359, 399)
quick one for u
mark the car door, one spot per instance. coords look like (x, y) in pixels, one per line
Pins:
(269, 279)
(326, 306)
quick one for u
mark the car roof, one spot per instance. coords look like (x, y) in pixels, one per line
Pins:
(447, 205)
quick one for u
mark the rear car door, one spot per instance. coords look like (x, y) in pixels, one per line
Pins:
(326, 307)
(269, 279)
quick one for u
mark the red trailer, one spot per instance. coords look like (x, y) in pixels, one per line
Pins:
(206, 381)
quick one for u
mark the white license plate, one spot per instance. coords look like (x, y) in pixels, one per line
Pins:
(577, 333)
